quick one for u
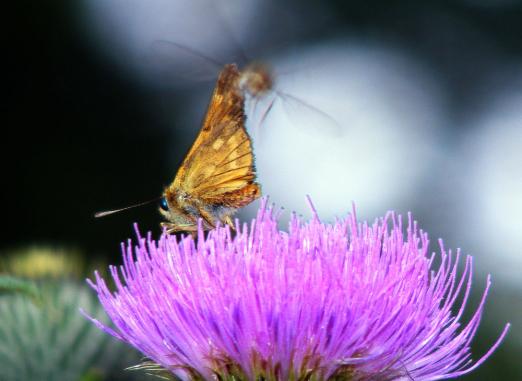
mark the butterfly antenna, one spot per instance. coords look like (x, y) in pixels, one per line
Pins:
(108, 212)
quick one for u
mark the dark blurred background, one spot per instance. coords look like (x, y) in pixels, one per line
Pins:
(96, 119)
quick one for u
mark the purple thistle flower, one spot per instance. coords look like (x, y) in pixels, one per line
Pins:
(341, 301)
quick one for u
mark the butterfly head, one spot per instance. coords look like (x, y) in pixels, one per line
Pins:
(178, 211)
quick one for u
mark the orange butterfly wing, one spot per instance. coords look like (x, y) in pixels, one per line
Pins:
(219, 167)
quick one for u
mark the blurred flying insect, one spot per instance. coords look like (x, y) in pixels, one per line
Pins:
(257, 81)
(217, 177)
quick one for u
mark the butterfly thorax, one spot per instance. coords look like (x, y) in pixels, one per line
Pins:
(256, 79)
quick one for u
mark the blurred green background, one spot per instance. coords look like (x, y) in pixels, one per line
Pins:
(96, 120)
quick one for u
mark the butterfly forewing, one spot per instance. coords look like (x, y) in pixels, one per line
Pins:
(219, 169)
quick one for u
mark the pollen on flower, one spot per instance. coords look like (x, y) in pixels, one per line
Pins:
(341, 301)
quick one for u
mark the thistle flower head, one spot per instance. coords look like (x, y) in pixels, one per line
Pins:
(341, 301)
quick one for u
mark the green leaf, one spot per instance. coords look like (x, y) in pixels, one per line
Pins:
(10, 284)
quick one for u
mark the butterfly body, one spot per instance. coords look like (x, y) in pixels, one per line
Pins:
(217, 176)
(184, 212)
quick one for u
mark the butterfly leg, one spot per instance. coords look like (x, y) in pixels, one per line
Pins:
(171, 228)
(265, 113)
(229, 222)
(209, 221)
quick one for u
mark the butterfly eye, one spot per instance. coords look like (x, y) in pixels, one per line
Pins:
(163, 204)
